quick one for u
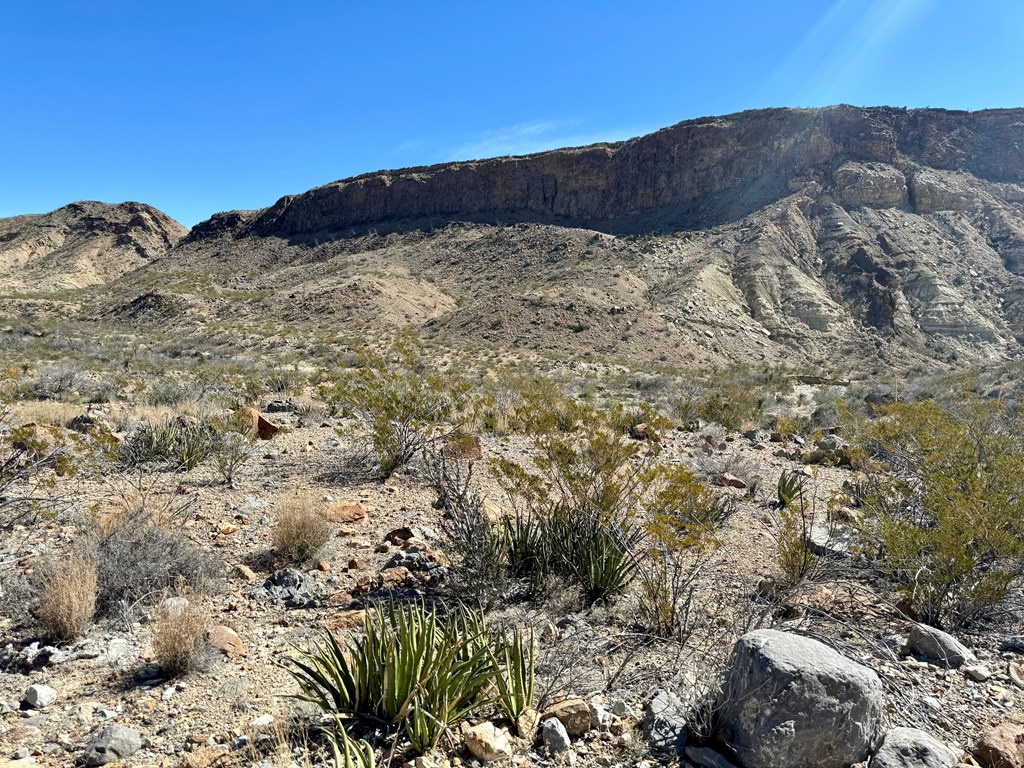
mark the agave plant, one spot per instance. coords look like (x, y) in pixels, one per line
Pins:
(513, 660)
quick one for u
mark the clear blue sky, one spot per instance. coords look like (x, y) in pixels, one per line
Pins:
(197, 107)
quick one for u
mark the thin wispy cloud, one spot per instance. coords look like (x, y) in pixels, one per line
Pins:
(535, 136)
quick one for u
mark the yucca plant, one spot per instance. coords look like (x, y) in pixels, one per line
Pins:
(414, 668)
(790, 488)
(513, 661)
(347, 752)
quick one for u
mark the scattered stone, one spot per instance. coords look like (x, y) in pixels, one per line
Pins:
(708, 758)
(243, 572)
(665, 724)
(792, 701)
(1013, 643)
(938, 646)
(621, 709)
(556, 739)
(399, 535)
(1002, 746)
(113, 742)
(600, 717)
(148, 674)
(288, 585)
(729, 480)
(527, 724)
(347, 512)
(912, 748)
(487, 743)
(39, 696)
(574, 714)
(979, 673)
(834, 542)
(225, 640)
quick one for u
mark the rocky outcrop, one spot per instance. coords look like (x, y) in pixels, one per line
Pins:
(693, 174)
(793, 702)
(912, 748)
(82, 244)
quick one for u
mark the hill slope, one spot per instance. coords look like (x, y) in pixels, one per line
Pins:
(81, 244)
(854, 234)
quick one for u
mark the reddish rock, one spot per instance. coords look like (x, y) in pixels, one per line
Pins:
(398, 535)
(728, 480)
(347, 512)
(257, 425)
(1002, 747)
(393, 578)
(226, 640)
(574, 715)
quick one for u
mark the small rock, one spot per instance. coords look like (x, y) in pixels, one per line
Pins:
(347, 512)
(113, 742)
(263, 721)
(728, 480)
(556, 739)
(226, 640)
(599, 716)
(486, 742)
(665, 724)
(912, 748)
(979, 673)
(938, 646)
(39, 696)
(574, 714)
(621, 709)
(243, 572)
(1013, 643)
(527, 724)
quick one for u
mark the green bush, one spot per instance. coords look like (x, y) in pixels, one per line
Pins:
(947, 523)
(403, 402)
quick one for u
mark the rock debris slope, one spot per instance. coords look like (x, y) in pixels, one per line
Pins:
(81, 244)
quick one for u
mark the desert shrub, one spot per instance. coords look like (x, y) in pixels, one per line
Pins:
(797, 518)
(67, 593)
(168, 392)
(30, 463)
(575, 510)
(684, 517)
(474, 540)
(56, 382)
(230, 451)
(142, 553)
(402, 401)
(731, 404)
(301, 529)
(179, 444)
(947, 523)
(414, 668)
(179, 638)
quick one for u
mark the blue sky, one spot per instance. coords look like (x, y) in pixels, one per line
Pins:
(197, 107)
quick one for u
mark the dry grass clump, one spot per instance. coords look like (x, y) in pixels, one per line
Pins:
(302, 529)
(179, 638)
(68, 589)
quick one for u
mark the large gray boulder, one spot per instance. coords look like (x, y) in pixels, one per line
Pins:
(792, 702)
(912, 748)
(114, 742)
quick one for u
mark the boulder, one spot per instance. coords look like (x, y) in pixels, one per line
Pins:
(487, 742)
(1002, 746)
(793, 702)
(114, 742)
(665, 724)
(938, 646)
(912, 748)
(574, 714)
(39, 696)
(556, 739)
(225, 640)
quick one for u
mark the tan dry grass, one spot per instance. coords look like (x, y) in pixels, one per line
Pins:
(179, 638)
(68, 599)
(302, 529)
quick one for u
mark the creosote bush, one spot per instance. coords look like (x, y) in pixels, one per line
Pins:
(947, 523)
(403, 402)
(67, 593)
(301, 529)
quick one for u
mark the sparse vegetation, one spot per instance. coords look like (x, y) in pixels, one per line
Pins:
(67, 593)
(179, 637)
(301, 530)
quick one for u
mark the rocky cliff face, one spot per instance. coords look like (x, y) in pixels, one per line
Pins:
(846, 234)
(82, 244)
(696, 173)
